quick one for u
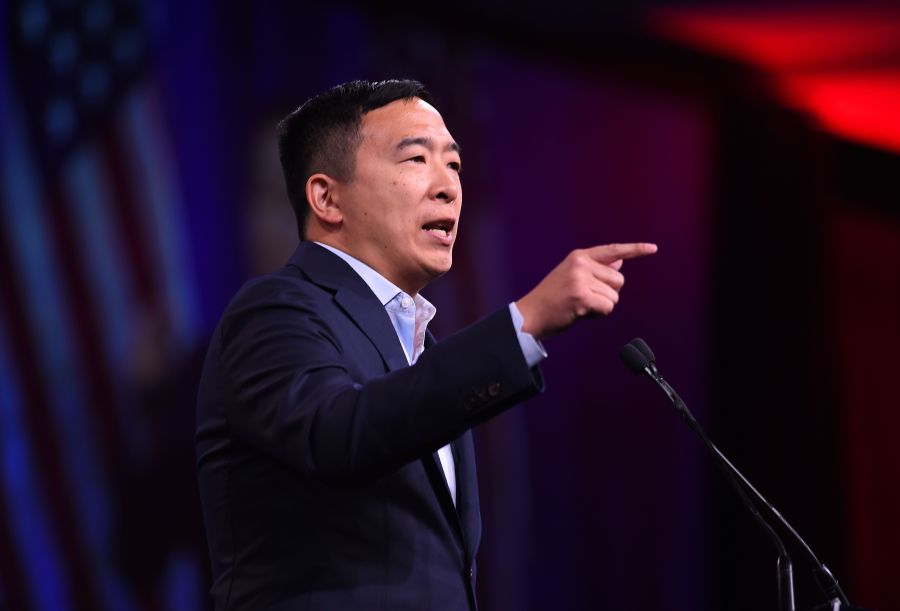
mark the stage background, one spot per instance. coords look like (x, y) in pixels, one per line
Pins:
(757, 146)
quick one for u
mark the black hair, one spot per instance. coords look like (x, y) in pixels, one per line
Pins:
(322, 135)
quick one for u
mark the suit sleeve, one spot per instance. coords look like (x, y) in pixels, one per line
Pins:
(290, 393)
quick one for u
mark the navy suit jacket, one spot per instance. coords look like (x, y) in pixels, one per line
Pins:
(316, 443)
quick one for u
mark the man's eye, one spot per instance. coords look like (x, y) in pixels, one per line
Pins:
(417, 159)
(455, 166)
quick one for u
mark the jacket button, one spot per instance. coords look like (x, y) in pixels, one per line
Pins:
(471, 573)
(494, 389)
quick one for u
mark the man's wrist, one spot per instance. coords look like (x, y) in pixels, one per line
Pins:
(532, 349)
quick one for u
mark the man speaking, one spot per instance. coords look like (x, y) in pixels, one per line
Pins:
(334, 449)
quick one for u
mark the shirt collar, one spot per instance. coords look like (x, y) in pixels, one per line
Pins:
(384, 289)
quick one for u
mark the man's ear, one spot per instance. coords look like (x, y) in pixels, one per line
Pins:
(321, 193)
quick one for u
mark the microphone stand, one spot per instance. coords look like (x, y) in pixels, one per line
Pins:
(638, 357)
(785, 575)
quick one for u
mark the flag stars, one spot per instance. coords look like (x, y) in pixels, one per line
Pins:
(75, 60)
(127, 48)
(63, 52)
(59, 120)
(33, 20)
(96, 19)
(94, 84)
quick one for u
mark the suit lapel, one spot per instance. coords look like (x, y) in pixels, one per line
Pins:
(467, 494)
(433, 464)
(375, 323)
(464, 517)
(354, 297)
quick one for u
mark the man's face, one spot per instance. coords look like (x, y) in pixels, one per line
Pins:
(401, 209)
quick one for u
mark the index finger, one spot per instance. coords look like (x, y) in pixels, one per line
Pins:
(607, 253)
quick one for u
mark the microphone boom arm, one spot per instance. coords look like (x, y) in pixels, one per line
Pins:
(638, 357)
(737, 482)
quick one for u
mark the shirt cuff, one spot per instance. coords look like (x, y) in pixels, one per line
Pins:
(532, 349)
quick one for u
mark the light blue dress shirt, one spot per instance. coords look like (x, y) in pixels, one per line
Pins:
(410, 317)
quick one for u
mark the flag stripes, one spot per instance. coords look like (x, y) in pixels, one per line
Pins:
(93, 237)
(26, 534)
(126, 217)
(29, 295)
(101, 244)
(88, 414)
(153, 178)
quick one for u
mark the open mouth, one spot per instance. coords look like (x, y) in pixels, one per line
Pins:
(441, 228)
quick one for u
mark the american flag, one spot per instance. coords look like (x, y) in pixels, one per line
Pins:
(93, 244)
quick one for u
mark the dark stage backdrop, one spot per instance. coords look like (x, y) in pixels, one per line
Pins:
(140, 188)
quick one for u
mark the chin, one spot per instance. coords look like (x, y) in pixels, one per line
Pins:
(438, 268)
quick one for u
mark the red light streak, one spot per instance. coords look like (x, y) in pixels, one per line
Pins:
(842, 66)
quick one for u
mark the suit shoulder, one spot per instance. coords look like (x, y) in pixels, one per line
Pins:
(287, 287)
(282, 295)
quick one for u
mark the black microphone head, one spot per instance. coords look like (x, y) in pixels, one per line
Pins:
(633, 358)
(641, 345)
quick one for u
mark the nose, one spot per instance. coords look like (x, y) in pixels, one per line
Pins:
(445, 186)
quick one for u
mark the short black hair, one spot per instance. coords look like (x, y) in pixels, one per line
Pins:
(323, 134)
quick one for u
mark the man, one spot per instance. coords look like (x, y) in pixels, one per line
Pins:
(335, 460)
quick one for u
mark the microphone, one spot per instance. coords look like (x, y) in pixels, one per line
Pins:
(639, 358)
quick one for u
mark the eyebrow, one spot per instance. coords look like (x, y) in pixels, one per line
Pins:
(426, 142)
